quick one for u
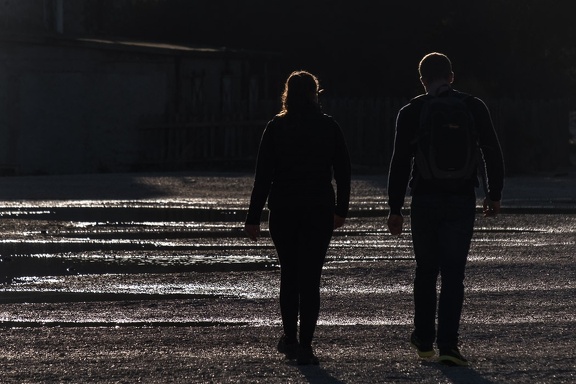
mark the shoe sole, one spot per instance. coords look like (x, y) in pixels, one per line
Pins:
(422, 354)
(290, 351)
(289, 354)
(307, 362)
(453, 361)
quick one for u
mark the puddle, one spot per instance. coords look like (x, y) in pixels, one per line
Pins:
(99, 237)
(127, 214)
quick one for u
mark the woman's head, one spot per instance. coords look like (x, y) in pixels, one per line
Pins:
(300, 92)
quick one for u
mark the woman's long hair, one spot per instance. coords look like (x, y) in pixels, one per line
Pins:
(300, 93)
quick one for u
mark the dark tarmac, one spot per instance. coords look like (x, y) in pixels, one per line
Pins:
(125, 278)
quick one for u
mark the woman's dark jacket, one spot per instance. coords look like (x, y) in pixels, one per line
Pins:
(298, 158)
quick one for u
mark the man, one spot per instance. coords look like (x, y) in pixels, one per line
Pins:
(442, 210)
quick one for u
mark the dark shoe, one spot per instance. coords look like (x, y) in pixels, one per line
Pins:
(452, 357)
(290, 349)
(424, 350)
(306, 356)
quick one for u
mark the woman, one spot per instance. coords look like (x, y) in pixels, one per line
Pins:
(301, 150)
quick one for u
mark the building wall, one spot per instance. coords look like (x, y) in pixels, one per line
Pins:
(42, 16)
(77, 108)
(70, 111)
(22, 15)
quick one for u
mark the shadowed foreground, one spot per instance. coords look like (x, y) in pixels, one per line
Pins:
(170, 316)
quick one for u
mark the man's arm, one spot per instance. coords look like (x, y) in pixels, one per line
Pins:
(400, 169)
(342, 176)
(493, 171)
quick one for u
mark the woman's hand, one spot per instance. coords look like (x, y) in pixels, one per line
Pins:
(491, 208)
(338, 221)
(395, 223)
(253, 231)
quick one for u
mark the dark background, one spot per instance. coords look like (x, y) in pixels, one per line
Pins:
(499, 48)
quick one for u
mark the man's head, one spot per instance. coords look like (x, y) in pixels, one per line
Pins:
(435, 67)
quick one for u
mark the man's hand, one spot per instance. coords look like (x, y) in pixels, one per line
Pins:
(395, 223)
(338, 221)
(253, 231)
(491, 208)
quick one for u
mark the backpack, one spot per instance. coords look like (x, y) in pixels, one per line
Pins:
(446, 143)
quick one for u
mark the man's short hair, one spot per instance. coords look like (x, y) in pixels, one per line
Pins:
(435, 66)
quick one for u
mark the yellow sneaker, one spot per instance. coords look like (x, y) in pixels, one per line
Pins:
(453, 357)
(424, 350)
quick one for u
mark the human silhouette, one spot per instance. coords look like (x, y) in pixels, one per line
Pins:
(443, 198)
(301, 151)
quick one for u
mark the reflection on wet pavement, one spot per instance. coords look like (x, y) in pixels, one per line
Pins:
(195, 253)
(135, 239)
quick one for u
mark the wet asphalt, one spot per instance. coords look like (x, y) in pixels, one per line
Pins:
(134, 252)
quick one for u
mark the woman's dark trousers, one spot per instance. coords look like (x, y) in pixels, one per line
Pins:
(301, 239)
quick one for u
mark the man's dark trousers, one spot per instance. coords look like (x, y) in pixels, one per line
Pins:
(442, 227)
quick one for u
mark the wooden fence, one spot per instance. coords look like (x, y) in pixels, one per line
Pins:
(534, 136)
(210, 144)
